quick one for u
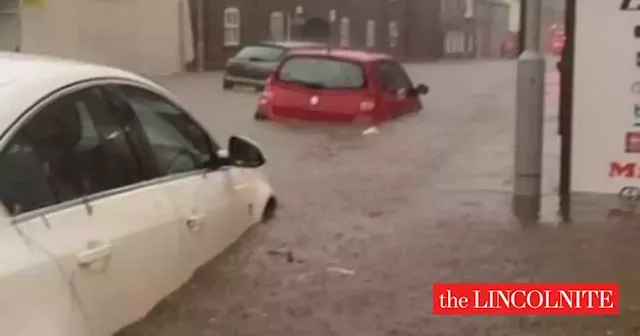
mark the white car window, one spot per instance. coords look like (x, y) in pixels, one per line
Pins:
(77, 144)
(23, 181)
(178, 143)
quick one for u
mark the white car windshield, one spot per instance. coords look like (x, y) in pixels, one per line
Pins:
(322, 73)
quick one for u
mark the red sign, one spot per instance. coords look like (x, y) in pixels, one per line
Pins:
(632, 142)
(525, 299)
(626, 169)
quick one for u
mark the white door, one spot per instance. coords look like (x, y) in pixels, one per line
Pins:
(112, 231)
(204, 195)
(36, 295)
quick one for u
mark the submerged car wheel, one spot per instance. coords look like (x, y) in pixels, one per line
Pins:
(227, 85)
(269, 211)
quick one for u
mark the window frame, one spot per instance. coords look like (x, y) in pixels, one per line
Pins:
(147, 153)
(277, 20)
(370, 34)
(27, 115)
(230, 26)
(345, 32)
(393, 32)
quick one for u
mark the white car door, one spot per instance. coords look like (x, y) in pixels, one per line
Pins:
(204, 195)
(36, 297)
(113, 233)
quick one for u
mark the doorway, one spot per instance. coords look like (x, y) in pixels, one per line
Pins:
(316, 29)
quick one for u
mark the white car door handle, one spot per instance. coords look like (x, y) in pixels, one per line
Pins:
(94, 254)
(194, 223)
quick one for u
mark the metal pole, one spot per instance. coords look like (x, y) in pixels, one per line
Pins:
(288, 26)
(529, 118)
(200, 26)
(566, 107)
(522, 32)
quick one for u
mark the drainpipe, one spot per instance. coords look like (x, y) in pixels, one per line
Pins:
(200, 33)
(288, 26)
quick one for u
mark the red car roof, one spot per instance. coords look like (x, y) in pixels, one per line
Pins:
(346, 54)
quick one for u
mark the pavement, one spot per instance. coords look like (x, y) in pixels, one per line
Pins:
(368, 223)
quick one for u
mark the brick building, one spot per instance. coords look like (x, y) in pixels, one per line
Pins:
(407, 29)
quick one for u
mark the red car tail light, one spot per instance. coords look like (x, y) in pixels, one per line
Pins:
(266, 96)
(367, 105)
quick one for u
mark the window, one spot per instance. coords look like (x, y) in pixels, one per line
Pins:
(322, 73)
(460, 42)
(24, 185)
(231, 27)
(393, 34)
(344, 32)
(470, 44)
(392, 77)
(261, 53)
(444, 4)
(80, 147)
(455, 42)
(371, 34)
(276, 26)
(178, 144)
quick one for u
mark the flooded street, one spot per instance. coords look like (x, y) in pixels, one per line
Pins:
(367, 223)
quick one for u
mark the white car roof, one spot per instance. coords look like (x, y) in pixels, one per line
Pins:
(25, 79)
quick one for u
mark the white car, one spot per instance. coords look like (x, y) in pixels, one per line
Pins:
(113, 195)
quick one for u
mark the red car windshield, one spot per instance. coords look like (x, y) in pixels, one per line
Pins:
(322, 73)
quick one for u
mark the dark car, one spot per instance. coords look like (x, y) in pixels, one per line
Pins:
(254, 63)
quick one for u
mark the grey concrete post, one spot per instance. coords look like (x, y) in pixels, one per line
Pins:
(529, 118)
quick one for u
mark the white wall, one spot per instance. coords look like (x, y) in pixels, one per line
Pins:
(139, 35)
(514, 15)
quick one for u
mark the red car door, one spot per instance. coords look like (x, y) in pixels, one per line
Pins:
(396, 89)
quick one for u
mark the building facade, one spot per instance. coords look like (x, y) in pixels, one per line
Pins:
(552, 19)
(457, 25)
(10, 32)
(123, 34)
(164, 40)
(492, 27)
(407, 29)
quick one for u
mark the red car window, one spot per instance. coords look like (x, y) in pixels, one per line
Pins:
(392, 76)
(322, 73)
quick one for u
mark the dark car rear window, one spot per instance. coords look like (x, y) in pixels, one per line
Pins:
(261, 53)
(322, 73)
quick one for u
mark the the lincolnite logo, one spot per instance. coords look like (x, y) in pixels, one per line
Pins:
(624, 169)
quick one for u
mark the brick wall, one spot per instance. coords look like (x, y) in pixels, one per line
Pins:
(418, 23)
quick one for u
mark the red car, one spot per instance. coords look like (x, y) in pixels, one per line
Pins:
(338, 85)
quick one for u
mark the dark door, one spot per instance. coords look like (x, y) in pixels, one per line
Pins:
(316, 29)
